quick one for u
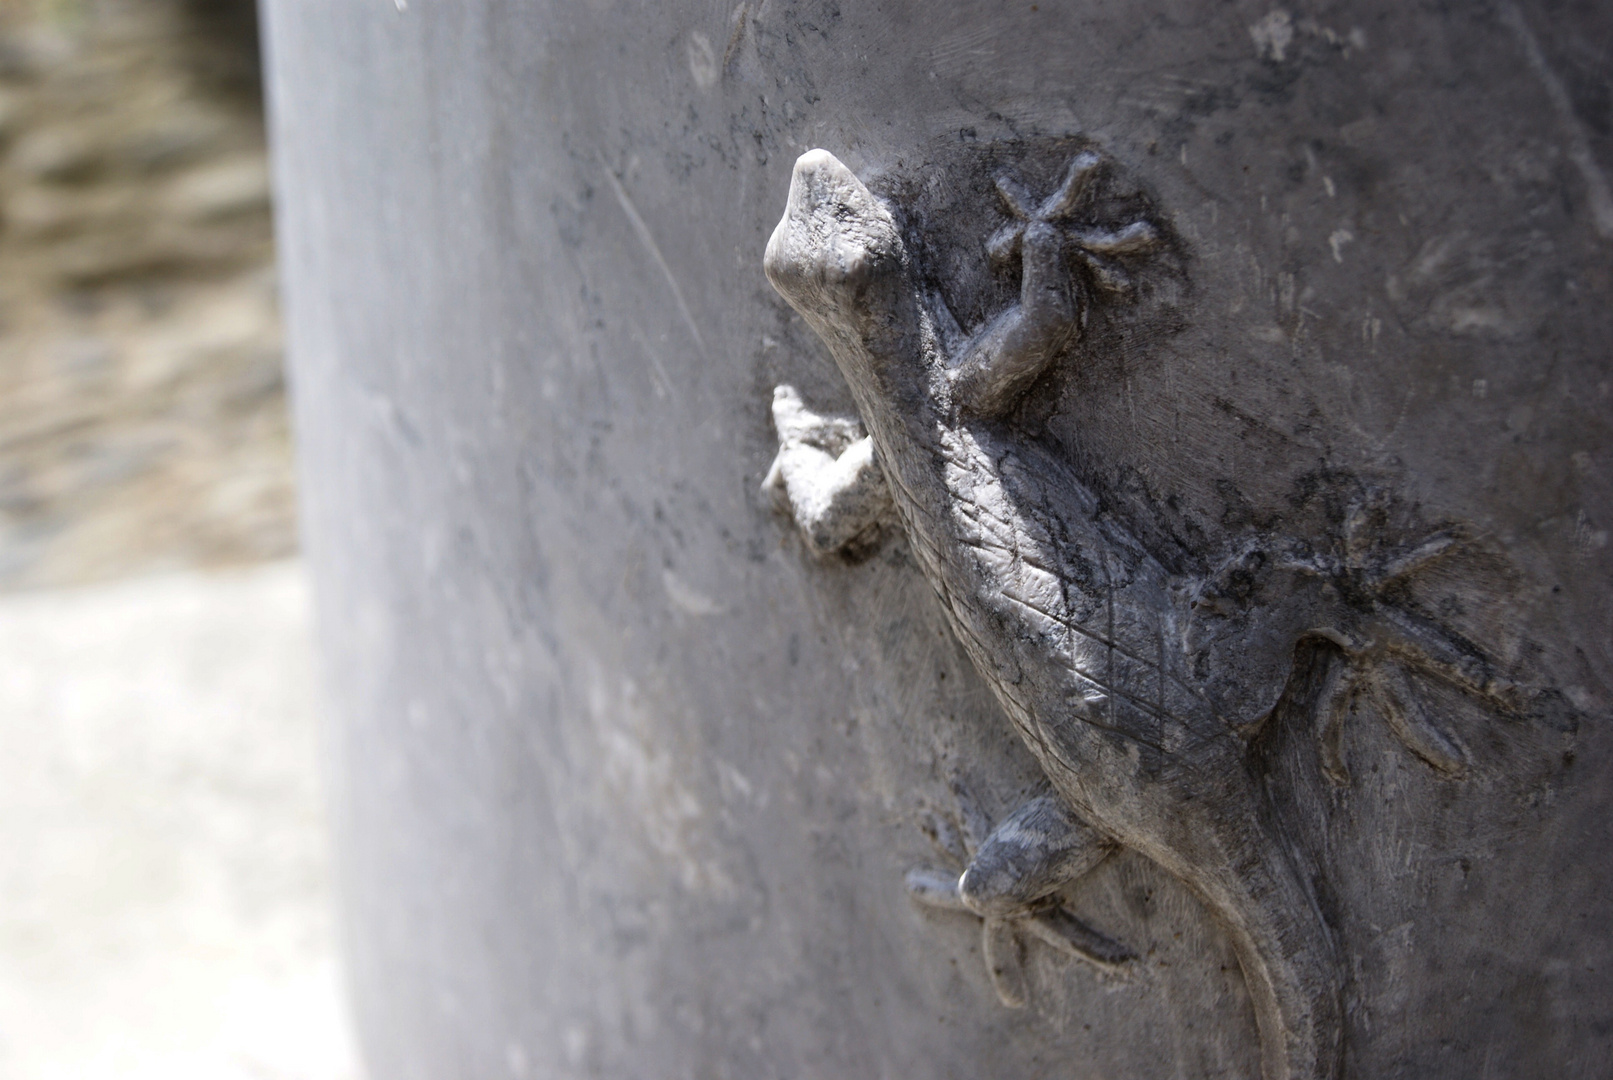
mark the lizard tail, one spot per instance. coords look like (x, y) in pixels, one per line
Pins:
(1287, 954)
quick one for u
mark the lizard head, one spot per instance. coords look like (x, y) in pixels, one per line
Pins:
(835, 237)
(837, 257)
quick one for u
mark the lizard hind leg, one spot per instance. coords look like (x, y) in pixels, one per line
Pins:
(1411, 724)
(1029, 855)
(1004, 949)
(1012, 879)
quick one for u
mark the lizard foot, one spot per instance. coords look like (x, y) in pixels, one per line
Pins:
(826, 474)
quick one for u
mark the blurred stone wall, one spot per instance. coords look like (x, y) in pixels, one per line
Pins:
(142, 420)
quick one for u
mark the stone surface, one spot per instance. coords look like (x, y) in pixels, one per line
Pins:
(631, 780)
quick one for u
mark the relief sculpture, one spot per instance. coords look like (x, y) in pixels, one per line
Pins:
(1138, 691)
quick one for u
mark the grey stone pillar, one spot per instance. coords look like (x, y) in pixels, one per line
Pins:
(630, 777)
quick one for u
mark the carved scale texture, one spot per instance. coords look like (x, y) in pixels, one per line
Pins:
(1069, 619)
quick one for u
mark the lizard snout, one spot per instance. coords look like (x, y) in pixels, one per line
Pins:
(834, 231)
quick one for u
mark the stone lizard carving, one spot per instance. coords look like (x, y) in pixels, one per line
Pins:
(1137, 693)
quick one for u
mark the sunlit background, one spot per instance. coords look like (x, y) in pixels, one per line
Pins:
(164, 882)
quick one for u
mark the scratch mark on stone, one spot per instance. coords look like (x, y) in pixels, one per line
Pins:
(687, 598)
(739, 21)
(647, 238)
(1579, 147)
(1337, 241)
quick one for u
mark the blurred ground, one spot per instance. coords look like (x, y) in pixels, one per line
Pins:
(164, 878)
(163, 868)
(142, 424)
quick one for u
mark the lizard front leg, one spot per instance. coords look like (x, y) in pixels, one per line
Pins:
(1011, 352)
(826, 473)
